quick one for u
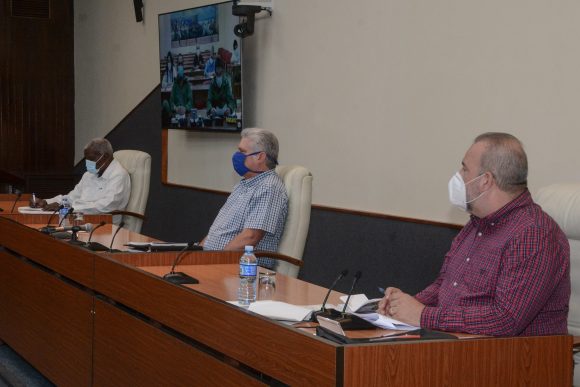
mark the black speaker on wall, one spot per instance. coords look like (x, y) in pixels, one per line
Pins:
(138, 10)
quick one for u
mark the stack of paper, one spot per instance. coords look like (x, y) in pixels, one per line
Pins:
(385, 322)
(362, 307)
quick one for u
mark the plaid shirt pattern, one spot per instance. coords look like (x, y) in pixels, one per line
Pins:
(507, 274)
(259, 203)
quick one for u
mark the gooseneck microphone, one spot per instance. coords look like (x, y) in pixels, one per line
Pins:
(93, 230)
(18, 195)
(48, 229)
(68, 212)
(180, 278)
(83, 227)
(323, 311)
(357, 276)
(119, 227)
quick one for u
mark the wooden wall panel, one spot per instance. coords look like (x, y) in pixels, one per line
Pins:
(37, 90)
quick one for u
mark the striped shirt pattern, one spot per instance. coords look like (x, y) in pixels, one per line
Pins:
(259, 203)
(507, 274)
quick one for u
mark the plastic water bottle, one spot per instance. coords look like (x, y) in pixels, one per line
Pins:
(62, 214)
(248, 275)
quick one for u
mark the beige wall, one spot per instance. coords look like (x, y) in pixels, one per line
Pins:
(380, 101)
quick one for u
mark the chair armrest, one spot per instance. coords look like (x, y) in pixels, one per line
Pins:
(129, 213)
(280, 257)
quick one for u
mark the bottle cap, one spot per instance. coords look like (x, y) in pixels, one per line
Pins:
(249, 249)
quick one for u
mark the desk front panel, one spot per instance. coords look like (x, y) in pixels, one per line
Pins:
(129, 351)
(281, 352)
(46, 320)
(71, 261)
(519, 361)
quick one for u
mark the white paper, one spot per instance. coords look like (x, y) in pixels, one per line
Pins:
(36, 211)
(385, 322)
(356, 302)
(278, 310)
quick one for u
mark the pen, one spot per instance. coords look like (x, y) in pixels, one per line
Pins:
(381, 290)
(393, 337)
(33, 200)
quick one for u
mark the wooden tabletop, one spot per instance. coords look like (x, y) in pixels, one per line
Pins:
(222, 281)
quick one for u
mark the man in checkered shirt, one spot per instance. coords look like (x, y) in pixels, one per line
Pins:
(508, 270)
(255, 212)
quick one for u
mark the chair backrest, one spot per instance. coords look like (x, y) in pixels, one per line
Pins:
(138, 165)
(298, 182)
(562, 203)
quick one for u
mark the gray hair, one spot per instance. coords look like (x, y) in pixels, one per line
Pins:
(101, 146)
(264, 141)
(506, 159)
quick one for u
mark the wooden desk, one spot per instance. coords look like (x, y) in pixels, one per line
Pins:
(42, 219)
(87, 319)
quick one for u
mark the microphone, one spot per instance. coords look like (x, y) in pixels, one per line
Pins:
(323, 311)
(18, 195)
(93, 230)
(357, 276)
(88, 227)
(69, 211)
(119, 227)
(48, 229)
(180, 278)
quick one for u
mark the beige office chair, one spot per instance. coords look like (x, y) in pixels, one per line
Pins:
(298, 182)
(562, 203)
(138, 165)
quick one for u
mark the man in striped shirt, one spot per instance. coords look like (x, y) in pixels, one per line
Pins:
(508, 270)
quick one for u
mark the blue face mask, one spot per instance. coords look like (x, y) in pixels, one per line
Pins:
(92, 165)
(239, 162)
(180, 71)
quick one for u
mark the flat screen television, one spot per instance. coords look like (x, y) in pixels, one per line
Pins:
(201, 69)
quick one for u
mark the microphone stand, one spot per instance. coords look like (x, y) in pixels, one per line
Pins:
(48, 229)
(349, 321)
(329, 313)
(18, 195)
(94, 246)
(180, 278)
(119, 227)
(74, 240)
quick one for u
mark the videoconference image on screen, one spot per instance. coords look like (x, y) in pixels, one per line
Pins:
(200, 68)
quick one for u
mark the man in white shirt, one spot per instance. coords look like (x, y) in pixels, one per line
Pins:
(105, 187)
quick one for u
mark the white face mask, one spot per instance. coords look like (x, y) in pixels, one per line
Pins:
(458, 191)
(219, 80)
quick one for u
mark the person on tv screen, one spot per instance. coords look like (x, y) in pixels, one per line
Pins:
(104, 187)
(181, 99)
(236, 53)
(220, 100)
(255, 212)
(508, 270)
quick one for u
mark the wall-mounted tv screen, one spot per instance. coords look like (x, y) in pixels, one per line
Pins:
(201, 69)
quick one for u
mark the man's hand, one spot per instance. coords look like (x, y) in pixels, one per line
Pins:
(401, 306)
(50, 207)
(38, 203)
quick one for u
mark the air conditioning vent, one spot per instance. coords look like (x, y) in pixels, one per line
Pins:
(39, 9)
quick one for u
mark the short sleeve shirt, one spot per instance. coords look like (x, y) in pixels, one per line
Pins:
(259, 203)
